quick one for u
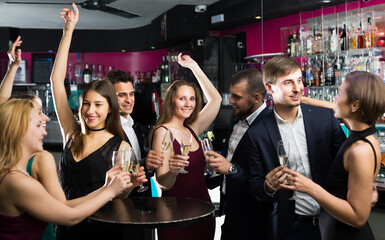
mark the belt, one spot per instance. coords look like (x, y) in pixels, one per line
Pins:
(313, 220)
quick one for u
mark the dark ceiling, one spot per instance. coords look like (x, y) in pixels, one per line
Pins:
(241, 12)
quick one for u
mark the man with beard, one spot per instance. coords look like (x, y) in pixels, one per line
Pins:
(242, 213)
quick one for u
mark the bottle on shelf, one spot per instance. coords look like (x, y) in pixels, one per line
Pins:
(87, 75)
(333, 41)
(309, 75)
(329, 76)
(70, 76)
(94, 75)
(309, 42)
(292, 45)
(343, 38)
(352, 38)
(100, 72)
(289, 41)
(369, 35)
(79, 71)
(338, 73)
(360, 38)
(165, 76)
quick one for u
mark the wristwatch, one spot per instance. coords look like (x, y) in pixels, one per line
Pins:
(233, 169)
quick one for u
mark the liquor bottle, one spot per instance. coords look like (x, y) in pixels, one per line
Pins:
(338, 73)
(100, 72)
(94, 75)
(343, 39)
(329, 78)
(352, 38)
(292, 45)
(162, 69)
(360, 38)
(79, 71)
(333, 41)
(309, 42)
(87, 75)
(70, 76)
(289, 41)
(369, 35)
(136, 77)
(166, 77)
(309, 75)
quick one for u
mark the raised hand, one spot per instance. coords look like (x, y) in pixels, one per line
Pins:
(186, 61)
(70, 17)
(13, 54)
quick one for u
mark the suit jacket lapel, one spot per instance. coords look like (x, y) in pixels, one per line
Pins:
(273, 131)
(310, 136)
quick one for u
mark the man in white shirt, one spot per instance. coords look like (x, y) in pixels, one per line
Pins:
(125, 93)
(314, 136)
(241, 211)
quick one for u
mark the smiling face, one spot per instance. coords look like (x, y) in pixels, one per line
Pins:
(33, 138)
(342, 109)
(287, 90)
(126, 98)
(37, 105)
(243, 103)
(95, 109)
(184, 102)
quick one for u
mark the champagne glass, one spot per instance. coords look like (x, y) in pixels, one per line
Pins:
(293, 166)
(207, 146)
(168, 138)
(283, 151)
(135, 167)
(185, 145)
(117, 158)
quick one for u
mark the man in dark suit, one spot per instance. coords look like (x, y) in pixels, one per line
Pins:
(241, 211)
(125, 92)
(314, 136)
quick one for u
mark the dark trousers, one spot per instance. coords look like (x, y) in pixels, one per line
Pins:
(305, 231)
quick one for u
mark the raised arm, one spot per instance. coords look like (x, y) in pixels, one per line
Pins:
(214, 99)
(66, 118)
(15, 60)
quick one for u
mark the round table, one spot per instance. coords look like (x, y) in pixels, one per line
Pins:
(153, 212)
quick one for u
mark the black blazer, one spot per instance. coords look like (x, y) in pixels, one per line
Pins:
(240, 209)
(324, 137)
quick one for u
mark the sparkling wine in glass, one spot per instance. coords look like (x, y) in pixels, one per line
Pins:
(283, 151)
(207, 146)
(135, 167)
(185, 145)
(168, 138)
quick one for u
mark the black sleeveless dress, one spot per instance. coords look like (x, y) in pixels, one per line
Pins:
(337, 184)
(81, 178)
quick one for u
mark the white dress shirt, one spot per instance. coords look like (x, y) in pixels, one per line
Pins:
(239, 130)
(130, 133)
(296, 136)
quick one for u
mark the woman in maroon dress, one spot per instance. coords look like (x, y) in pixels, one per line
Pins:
(182, 113)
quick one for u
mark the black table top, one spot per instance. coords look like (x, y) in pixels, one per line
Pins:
(153, 212)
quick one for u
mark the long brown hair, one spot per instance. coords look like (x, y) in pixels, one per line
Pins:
(107, 90)
(14, 123)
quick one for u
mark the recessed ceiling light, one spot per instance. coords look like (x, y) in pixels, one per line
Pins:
(326, 1)
(258, 17)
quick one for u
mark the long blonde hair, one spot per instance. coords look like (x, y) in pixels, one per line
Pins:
(14, 123)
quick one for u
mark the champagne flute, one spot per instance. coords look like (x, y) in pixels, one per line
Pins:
(135, 167)
(185, 145)
(168, 138)
(207, 146)
(293, 166)
(117, 158)
(283, 151)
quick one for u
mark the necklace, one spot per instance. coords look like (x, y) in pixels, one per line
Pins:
(96, 130)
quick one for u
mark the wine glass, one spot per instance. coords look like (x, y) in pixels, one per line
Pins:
(293, 166)
(168, 138)
(117, 158)
(283, 151)
(135, 166)
(207, 146)
(185, 145)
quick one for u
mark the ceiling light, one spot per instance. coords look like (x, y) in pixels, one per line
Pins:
(258, 17)
(326, 1)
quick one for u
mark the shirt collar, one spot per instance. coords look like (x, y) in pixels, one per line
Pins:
(127, 121)
(250, 119)
(281, 120)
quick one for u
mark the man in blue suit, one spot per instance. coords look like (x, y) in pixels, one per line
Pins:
(314, 136)
(241, 211)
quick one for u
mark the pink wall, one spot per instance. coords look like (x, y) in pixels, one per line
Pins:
(272, 28)
(128, 61)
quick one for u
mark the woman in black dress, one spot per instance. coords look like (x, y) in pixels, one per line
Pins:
(346, 200)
